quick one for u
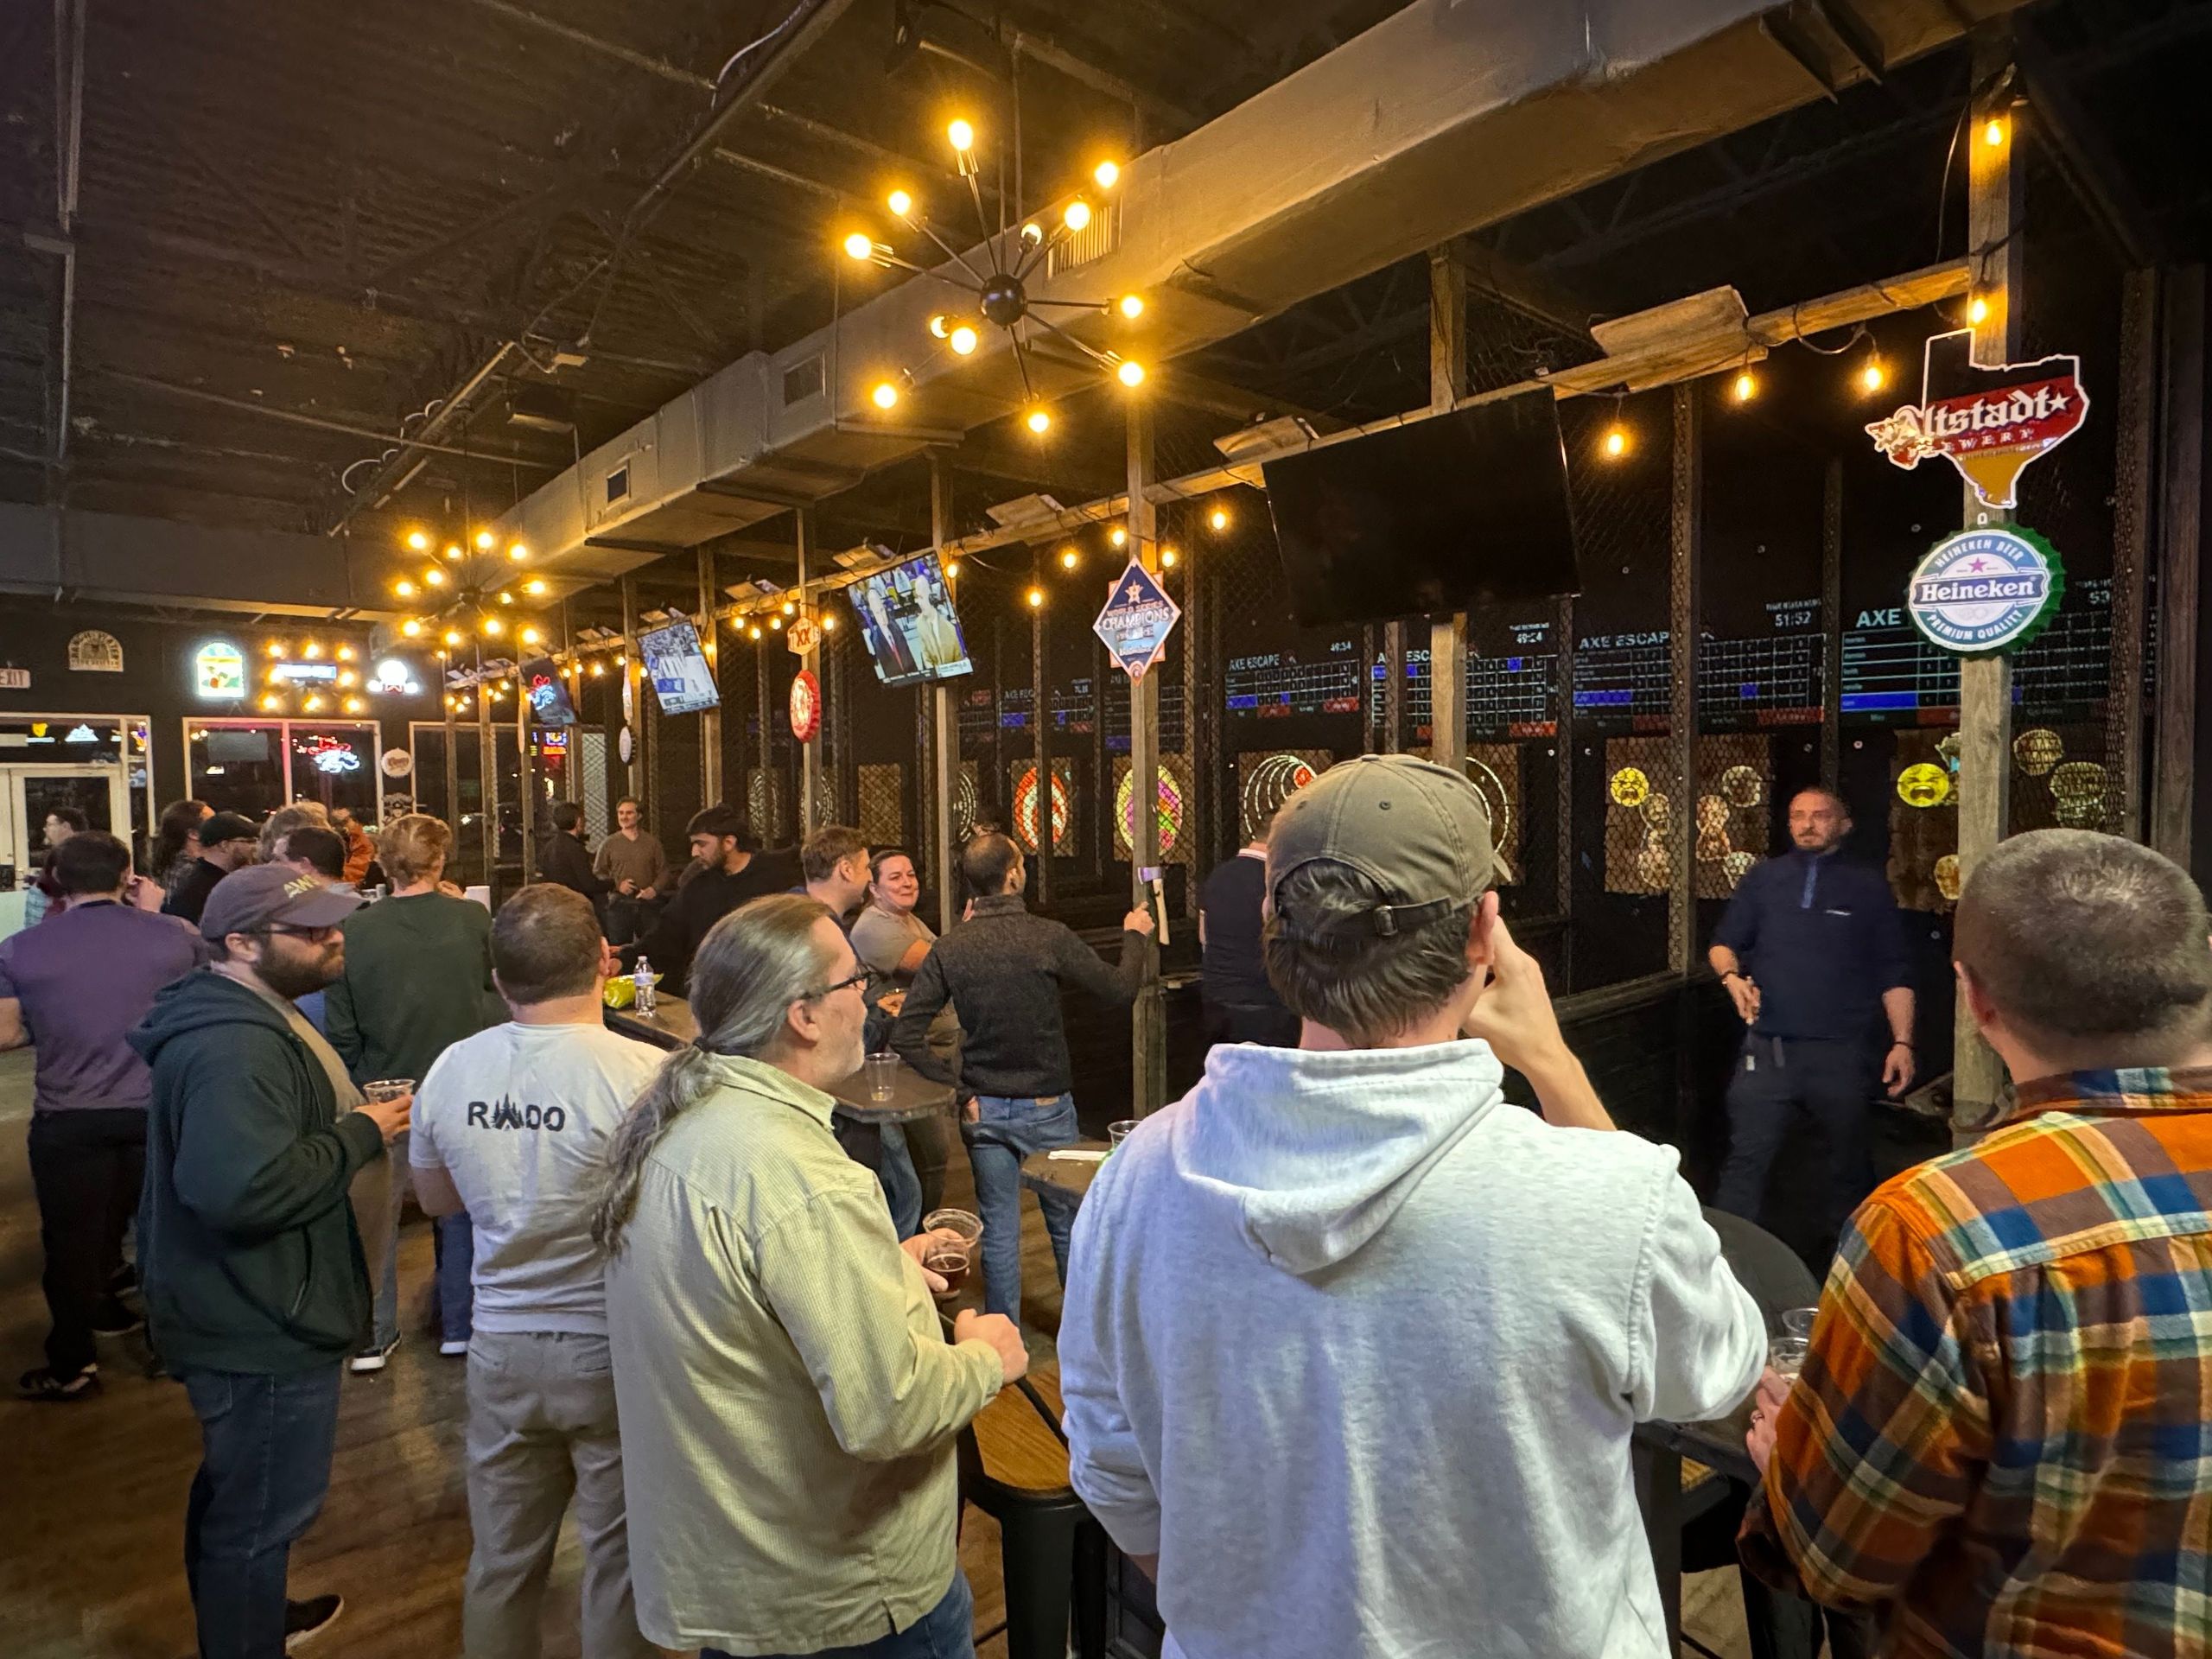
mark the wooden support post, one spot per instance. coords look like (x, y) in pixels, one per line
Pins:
(1686, 509)
(1148, 1021)
(770, 828)
(1448, 383)
(451, 810)
(948, 729)
(812, 808)
(487, 772)
(2131, 551)
(1831, 624)
(1040, 751)
(633, 702)
(1394, 687)
(2180, 547)
(527, 792)
(1994, 183)
(710, 722)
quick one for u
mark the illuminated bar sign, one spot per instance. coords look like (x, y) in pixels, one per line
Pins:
(218, 670)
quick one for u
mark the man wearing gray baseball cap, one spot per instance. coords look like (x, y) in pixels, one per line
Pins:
(1353, 1345)
(255, 1281)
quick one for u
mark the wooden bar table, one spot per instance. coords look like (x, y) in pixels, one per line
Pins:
(1069, 1177)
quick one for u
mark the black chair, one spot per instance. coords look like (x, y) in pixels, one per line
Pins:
(1014, 1466)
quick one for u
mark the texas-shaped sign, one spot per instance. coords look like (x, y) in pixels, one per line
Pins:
(1988, 423)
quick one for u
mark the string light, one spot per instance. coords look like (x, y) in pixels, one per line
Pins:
(535, 585)
(484, 541)
(344, 653)
(1218, 519)
(1130, 306)
(1616, 444)
(1994, 133)
(960, 135)
(272, 702)
(754, 632)
(1978, 311)
(1037, 421)
(828, 624)
(1036, 599)
(899, 202)
(1874, 376)
(531, 636)
(491, 626)
(886, 396)
(1107, 174)
(435, 577)
(404, 588)
(776, 624)
(951, 568)
(517, 552)
(1070, 558)
(418, 540)
(1167, 558)
(1745, 386)
(410, 627)
(963, 339)
(790, 608)
(1118, 536)
(1131, 373)
(598, 670)
(1077, 214)
(276, 647)
(453, 552)
(859, 245)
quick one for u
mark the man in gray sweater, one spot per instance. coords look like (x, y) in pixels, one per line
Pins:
(1353, 1346)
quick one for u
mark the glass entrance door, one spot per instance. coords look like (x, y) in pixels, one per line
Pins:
(29, 794)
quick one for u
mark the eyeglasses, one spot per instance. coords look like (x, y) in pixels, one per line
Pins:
(315, 933)
(865, 979)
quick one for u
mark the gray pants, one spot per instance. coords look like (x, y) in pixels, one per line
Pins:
(541, 1427)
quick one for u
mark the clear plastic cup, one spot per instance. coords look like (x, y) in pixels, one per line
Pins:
(1785, 1356)
(881, 1073)
(385, 1089)
(948, 1257)
(1118, 1132)
(964, 1225)
(1798, 1321)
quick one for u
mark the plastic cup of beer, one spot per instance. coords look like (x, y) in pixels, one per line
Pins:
(1798, 1322)
(964, 1225)
(948, 1257)
(385, 1089)
(1785, 1356)
(1118, 1132)
(881, 1073)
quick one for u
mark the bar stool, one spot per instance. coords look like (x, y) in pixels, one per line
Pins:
(1014, 1466)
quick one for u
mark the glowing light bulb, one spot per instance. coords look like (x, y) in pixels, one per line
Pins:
(789, 608)
(1617, 441)
(1994, 133)
(598, 670)
(491, 625)
(1108, 174)
(886, 396)
(1070, 558)
(1075, 214)
(273, 702)
(452, 549)
(777, 623)
(353, 705)
(1118, 536)
(531, 636)
(960, 136)
(312, 703)
(348, 678)
(1979, 311)
(1218, 519)
(276, 647)
(535, 585)
(1032, 233)
(1130, 306)
(858, 245)
(1131, 373)
(506, 598)
(418, 541)
(403, 589)
(453, 636)
(1036, 599)
(410, 627)
(517, 552)
(344, 653)
(940, 326)
(1167, 558)
(435, 577)
(483, 540)
(753, 631)
(1873, 375)
(951, 568)
(1037, 421)
(829, 625)
(963, 339)
(1746, 386)
(899, 202)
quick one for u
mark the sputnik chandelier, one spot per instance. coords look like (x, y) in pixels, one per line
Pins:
(467, 595)
(1000, 288)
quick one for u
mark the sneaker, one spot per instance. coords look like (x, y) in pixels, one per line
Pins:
(114, 1318)
(455, 1349)
(306, 1620)
(371, 1359)
(46, 1383)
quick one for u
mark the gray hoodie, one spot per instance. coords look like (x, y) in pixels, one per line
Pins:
(1355, 1346)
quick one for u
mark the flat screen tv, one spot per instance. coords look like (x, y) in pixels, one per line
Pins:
(910, 624)
(678, 669)
(549, 694)
(1446, 514)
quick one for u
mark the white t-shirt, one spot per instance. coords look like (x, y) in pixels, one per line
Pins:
(518, 1116)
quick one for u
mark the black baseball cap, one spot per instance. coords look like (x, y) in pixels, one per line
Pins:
(227, 826)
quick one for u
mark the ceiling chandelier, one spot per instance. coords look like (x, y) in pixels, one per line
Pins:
(1002, 298)
(468, 595)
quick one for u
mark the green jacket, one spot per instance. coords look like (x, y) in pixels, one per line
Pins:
(418, 979)
(247, 1249)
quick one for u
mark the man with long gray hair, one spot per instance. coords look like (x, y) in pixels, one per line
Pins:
(1999, 1439)
(787, 1401)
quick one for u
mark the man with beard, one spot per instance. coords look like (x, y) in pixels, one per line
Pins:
(254, 1277)
(1813, 954)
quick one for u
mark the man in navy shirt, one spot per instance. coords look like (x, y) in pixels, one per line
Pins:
(1810, 947)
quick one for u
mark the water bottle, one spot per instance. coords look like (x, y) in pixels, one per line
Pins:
(644, 978)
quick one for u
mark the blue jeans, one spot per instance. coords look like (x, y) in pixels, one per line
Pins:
(456, 1244)
(902, 1187)
(266, 1444)
(946, 1631)
(1004, 1133)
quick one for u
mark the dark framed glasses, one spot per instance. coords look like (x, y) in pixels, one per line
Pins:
(866, 979)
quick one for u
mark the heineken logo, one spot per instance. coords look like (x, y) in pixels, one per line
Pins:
(1985, 590)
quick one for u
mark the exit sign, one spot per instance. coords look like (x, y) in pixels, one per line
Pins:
(14, 679)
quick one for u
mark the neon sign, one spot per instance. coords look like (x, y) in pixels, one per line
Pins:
(330, 755)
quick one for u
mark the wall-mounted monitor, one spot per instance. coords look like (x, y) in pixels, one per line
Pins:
(909, 623)
(1446, 514)
(681, 677)
(548, 693)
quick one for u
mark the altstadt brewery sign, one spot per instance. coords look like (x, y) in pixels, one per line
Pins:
(1988, 423)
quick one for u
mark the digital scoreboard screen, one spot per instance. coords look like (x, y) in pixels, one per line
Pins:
(1275, 684)
(1891, 676)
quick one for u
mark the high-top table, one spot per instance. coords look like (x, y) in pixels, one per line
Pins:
(1069, 1177)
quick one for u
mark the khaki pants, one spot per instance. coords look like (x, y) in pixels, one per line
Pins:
(541, 1427)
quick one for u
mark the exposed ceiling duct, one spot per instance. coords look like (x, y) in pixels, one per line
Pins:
(1447, 116)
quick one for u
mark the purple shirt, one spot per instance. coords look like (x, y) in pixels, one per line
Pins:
(84, 978)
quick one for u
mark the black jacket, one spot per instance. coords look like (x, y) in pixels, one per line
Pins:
(1003, 971)
(247, 1249)
(705, 899)
(562, 861)
(189, 900)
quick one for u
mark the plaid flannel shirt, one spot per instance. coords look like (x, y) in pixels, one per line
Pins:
(2002, 1441)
